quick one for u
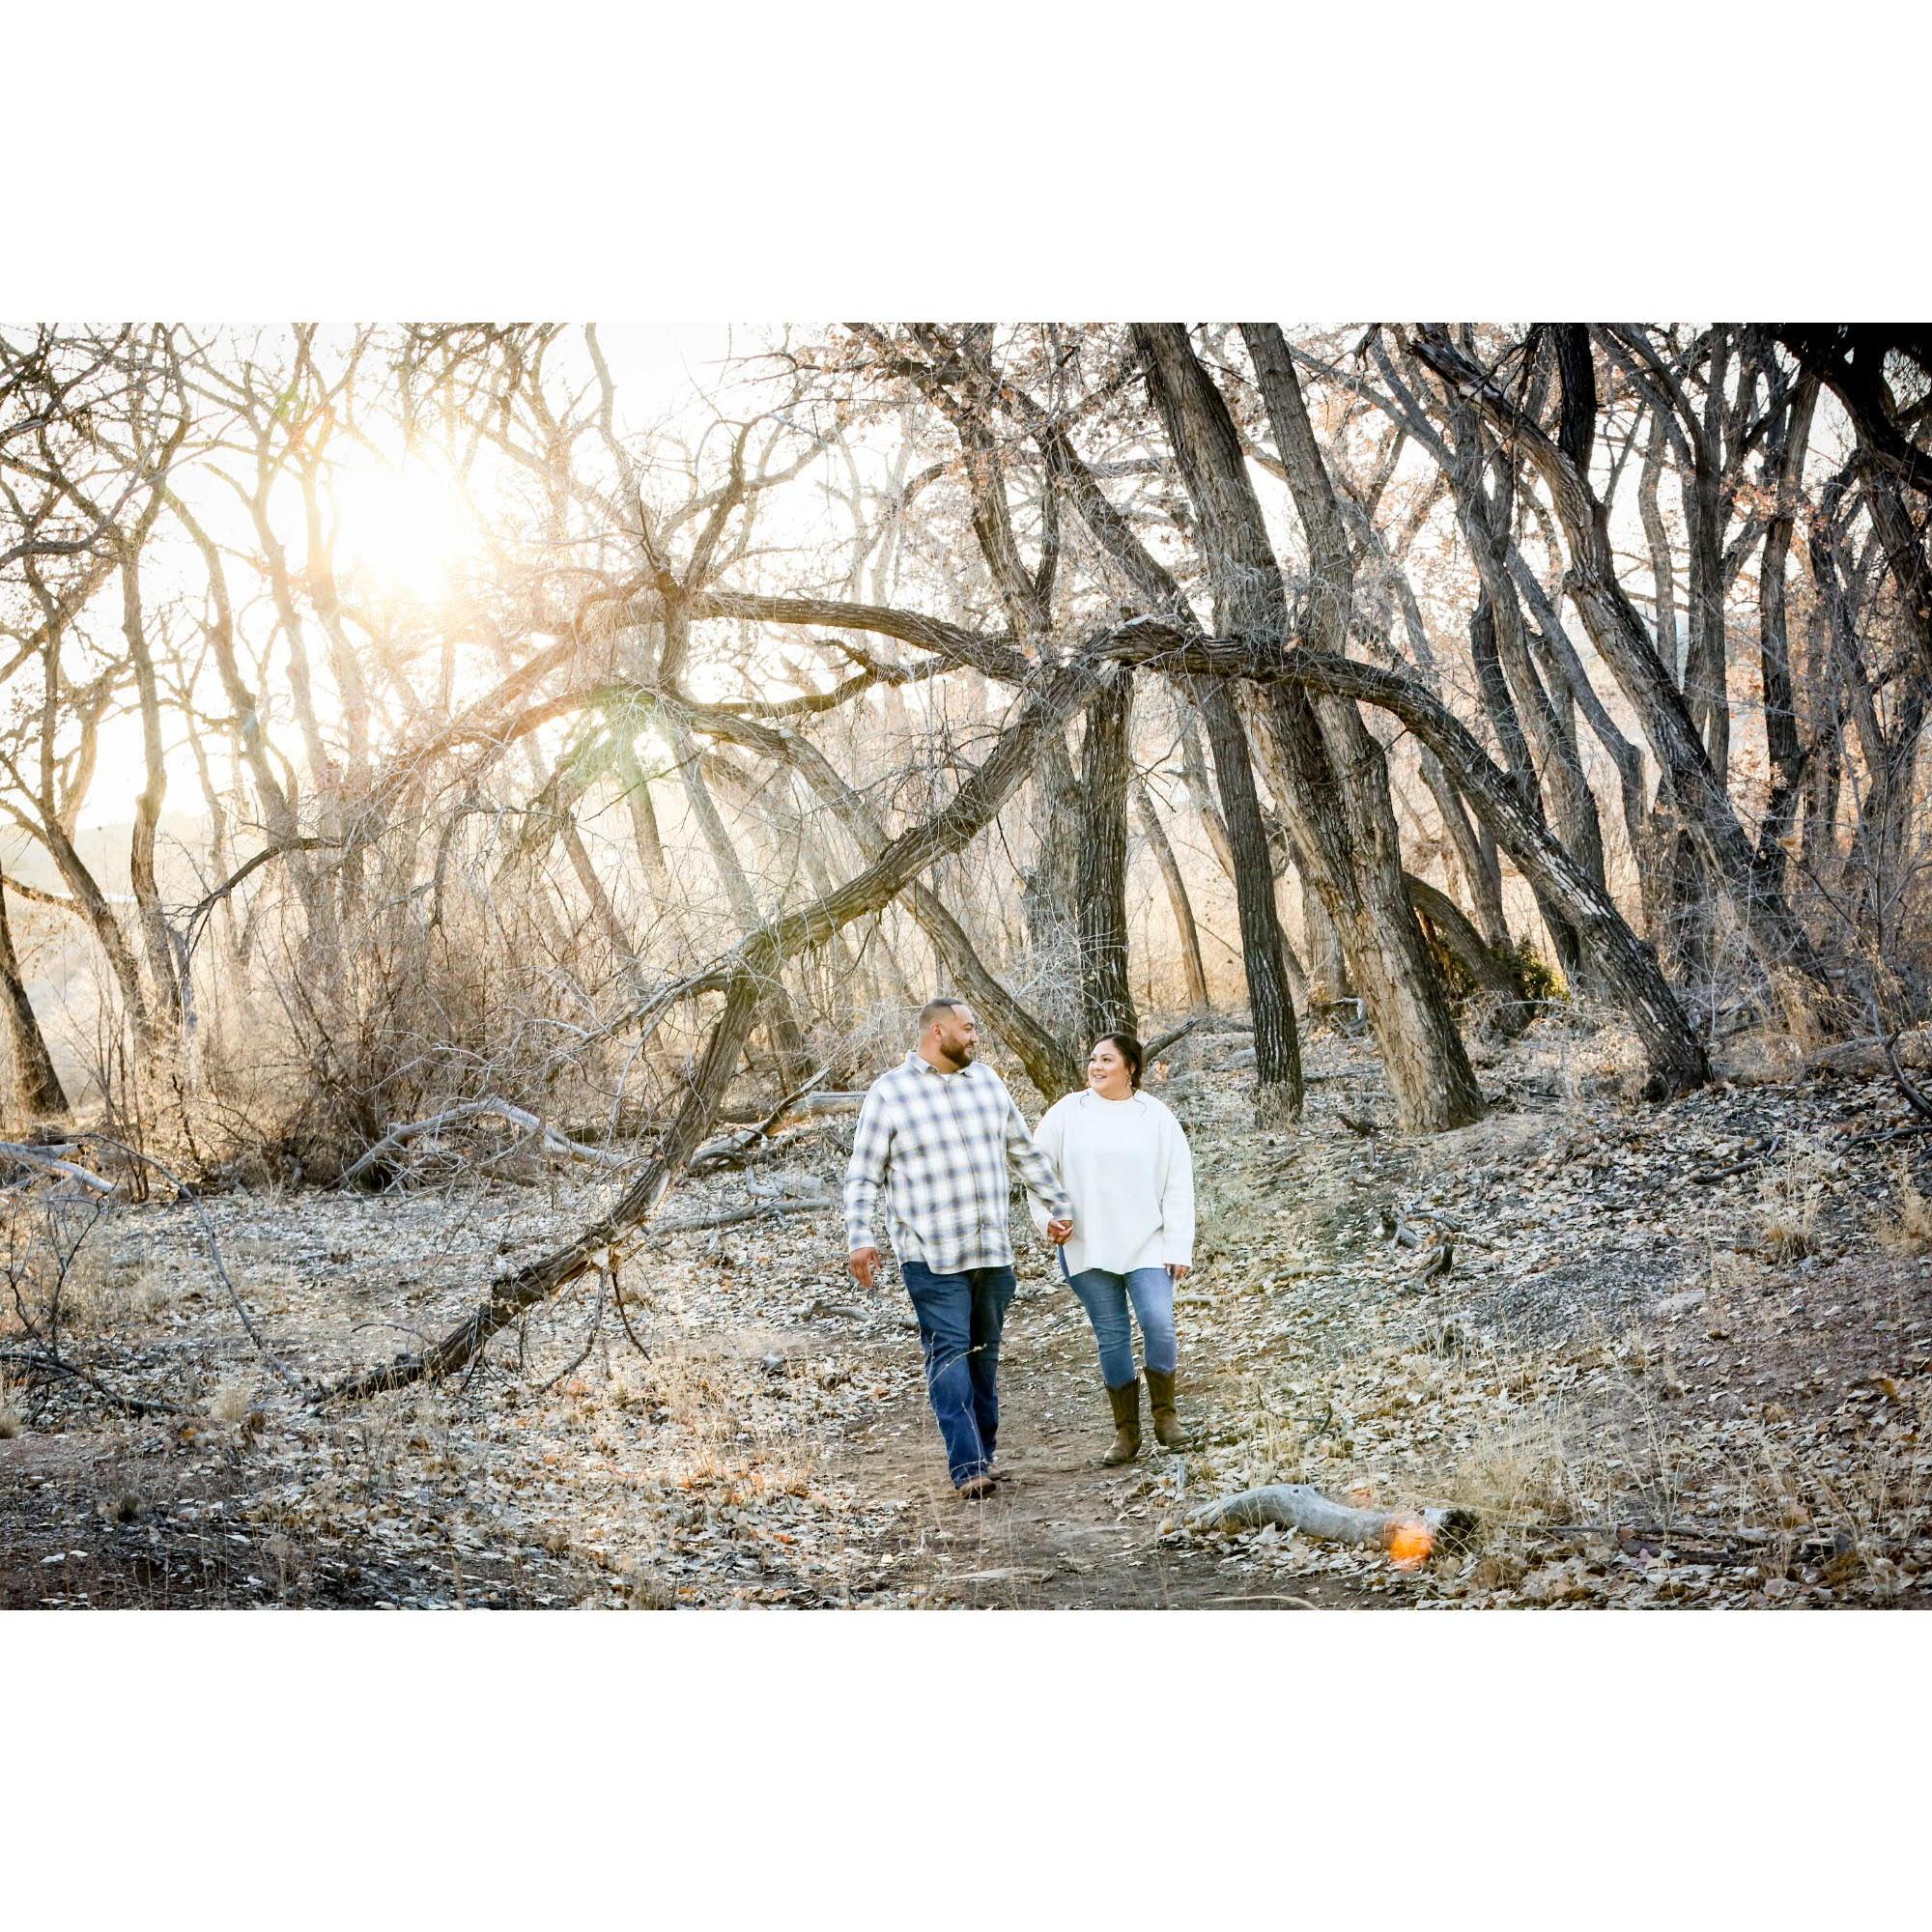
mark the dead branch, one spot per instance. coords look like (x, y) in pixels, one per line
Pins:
(583, 1354)
(129, 1405)
(1915, 1096)
(492, 1105)
(45, 1158)
(729, 1217)
(198, 913)
(720, 1153)
(1155, 1049)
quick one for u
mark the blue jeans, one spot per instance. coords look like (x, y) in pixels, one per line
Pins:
(960, 1317)
(1105, 1297)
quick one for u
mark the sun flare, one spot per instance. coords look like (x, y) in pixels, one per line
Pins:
(408, 524)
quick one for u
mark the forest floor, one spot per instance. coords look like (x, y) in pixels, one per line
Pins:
(1679, 1354)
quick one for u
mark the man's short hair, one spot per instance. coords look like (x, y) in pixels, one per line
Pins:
(937, 1009)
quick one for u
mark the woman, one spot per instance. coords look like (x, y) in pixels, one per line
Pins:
(1124, 1159)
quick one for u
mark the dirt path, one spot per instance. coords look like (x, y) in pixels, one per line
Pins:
(1061, 1532)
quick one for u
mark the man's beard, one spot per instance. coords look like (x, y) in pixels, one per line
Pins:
(960, 1056)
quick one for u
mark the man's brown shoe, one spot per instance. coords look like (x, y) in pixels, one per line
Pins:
(976, 1488)
(1160, 1399)
(1126, 1403)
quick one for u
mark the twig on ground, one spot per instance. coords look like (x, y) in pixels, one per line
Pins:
(1915, 1096)
(131, 1404)
(583, 1355)
(729, 1217)
(623, 1316)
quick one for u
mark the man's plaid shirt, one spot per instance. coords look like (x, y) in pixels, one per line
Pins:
(941, 1145)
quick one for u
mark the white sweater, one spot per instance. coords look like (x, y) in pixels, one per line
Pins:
(1126, 1166)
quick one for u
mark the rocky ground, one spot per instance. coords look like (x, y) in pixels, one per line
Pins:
(1671, 1355)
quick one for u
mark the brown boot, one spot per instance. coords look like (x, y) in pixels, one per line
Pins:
(1160, 1399)
(1126, 1403)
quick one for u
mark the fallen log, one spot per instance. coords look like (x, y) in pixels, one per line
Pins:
(729, 1217)
(1409, 1536)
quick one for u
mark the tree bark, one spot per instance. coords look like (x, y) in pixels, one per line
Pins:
(1178, 899)
(35, 1085)
(1100, 867)
(1277, 1043)
(1782, 746)
(1048, 891)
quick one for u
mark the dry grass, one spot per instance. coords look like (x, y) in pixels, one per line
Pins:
(231, 1403)
(1519, 1473)
(1793, 1199)
(11, 1420)
(1909, 1231)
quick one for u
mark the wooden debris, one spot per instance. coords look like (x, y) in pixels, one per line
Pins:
(1302, 1507)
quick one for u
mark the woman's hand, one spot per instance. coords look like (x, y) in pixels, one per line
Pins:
(1178, 1270)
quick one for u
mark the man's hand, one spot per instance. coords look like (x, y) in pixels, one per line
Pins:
(864, 1263)
(1178, 1270)
(1058, 1233)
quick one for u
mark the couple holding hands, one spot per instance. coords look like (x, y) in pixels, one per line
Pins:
(1112, 1186)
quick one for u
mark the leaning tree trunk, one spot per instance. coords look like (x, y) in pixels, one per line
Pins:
(1349, 833)
(1101, 864)
(743, 976)
(36, 1083)
(1340, 808)
(1050, 1064)
(1456, 933)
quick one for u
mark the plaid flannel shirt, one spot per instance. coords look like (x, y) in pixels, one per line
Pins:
(941, 1145)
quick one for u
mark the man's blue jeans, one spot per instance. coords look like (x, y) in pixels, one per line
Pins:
(1105, 1297)
(960, 1317)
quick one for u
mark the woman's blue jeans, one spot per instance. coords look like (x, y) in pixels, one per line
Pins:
(1105, 1296)
(960, 1317)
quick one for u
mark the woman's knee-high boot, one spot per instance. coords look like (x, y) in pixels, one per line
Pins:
(1160, 1399)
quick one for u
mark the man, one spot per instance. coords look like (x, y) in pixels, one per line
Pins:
(939, 1132)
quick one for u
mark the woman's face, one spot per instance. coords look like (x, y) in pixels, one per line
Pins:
(1107, 1071)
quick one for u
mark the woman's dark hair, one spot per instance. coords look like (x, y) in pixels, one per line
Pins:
(1129, 1050)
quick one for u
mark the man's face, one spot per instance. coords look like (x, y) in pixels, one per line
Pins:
(956, 1035)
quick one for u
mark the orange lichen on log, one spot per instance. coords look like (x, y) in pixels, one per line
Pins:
(1411, 1544)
